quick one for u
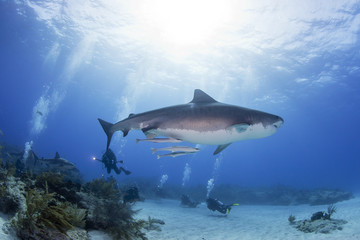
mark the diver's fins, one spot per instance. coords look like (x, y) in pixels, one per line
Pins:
(125, 171)
(117, 170)
(229, 207)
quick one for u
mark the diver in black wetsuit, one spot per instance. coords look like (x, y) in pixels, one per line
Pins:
(109, 160)
(187, 201)
(216, 205)
(131, 195)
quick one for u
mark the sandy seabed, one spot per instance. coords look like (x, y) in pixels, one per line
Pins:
(244, 222)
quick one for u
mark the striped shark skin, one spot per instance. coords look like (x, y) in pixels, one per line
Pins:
(201, 121)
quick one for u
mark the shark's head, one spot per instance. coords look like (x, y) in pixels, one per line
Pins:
(263, 124)
(273, 123)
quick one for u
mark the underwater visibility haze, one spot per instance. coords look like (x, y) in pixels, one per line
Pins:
(64, 64)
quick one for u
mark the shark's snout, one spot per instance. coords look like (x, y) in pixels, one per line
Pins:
(279, 122)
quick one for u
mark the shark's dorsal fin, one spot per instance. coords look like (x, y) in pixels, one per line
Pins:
(201, 97)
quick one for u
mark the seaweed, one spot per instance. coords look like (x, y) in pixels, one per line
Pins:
(152, 224)
(109, 213)
(77, 215)
(330, 211)
(116, 218)
(104, 189)
(55, 217)
(65, 191)
(53, 181)
(291, 218)
(44, 215)
(36, 202)
(128, 231)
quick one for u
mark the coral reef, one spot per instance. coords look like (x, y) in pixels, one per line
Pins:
(44, 213)
(65, 191)
(47, 206)
(319, 226)
(11, 193)
(320, 222)
(46, 218)
(107, 211)
(102, 188)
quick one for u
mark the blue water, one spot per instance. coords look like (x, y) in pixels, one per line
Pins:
(76, 62)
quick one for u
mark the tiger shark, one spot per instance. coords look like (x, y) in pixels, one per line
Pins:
(201, 121)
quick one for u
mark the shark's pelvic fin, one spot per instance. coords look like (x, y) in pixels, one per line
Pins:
(220, 148)
(107, 129)
(201, 97)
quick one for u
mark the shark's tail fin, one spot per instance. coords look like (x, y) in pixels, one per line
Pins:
(107, 129)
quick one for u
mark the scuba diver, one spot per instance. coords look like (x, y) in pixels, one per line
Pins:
(187, 201)
(216, 205)
(131, 195)
(109, 160)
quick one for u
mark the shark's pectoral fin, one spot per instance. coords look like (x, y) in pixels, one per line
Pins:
(242, 127)
(125, 132)
(220, 148)
(239, 128)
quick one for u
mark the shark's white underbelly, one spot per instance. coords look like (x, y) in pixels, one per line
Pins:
(216, 137)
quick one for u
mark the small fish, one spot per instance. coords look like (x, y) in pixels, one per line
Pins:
(1, 133)
(176, 149)
(174, 154)
(40, 113)
(159, 140)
